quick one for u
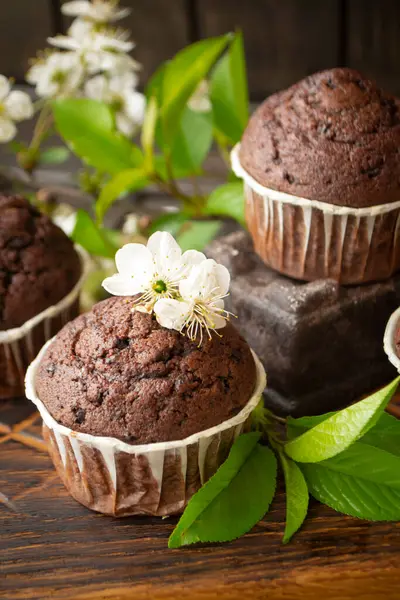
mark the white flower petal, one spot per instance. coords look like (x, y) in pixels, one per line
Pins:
(19, 106)
(218, 321)
(121, 285)
(200, 99)
(191, 258)
(4, 87)
(125, 125)
(135, 260)
(122, 81)
(64, 42)
(223, 278)
(80, 29)
(7, 130)
(165, 250)
(172, 314)
(97, 88)
(134, 106)
(76, 8)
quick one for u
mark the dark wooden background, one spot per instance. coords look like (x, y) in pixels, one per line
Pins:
(285, 39)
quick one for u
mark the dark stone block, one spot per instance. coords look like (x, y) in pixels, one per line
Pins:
(321, 343)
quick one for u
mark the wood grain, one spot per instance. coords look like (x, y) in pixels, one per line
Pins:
(54, 548)
(373, 40)
(284, 41)
(24, 27)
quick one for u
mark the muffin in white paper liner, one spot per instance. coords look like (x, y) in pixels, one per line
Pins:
(121, 479)
(389, 339)
(19, 346)
(308, 240)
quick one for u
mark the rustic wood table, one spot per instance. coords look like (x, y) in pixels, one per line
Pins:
(51, 547)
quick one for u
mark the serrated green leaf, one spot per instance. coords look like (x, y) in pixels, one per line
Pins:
(227, 200)
(91, 237)
(296, 497)
(385, 434)
(55, 155)
(197, 234)
(192, 142)
(229, 93)
(336, 433)
(171, 223)
(129, 180)
(88, 127)
(181, 77)
(230, 503)
(362, 481)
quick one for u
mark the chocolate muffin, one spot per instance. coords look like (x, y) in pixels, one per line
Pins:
(117, 373)
(39, 268)
(321, 163)
(38, 263)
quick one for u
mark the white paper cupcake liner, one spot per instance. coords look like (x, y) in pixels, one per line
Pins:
(19, 346)
(120, 479)
(308, 240)
(389, 343)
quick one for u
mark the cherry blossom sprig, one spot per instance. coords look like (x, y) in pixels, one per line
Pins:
(185, 291)
(92, 60)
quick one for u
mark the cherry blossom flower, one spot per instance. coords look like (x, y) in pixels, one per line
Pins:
(153, 271)
(98, 11)
(201, 307)
(59, 74)
(15, 106)
(120, 94)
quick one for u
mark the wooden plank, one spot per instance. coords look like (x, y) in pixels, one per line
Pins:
(54, 548)
(158, 28)
(285, 40)
(373, 40)
(24, 27)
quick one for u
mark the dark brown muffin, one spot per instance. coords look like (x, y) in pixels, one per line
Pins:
(116, 372)
(332, 137)
(38, 263)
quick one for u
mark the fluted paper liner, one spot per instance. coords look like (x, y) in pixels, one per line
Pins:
(389, 343)
(308, 240)
(120, 479)
(19, 346)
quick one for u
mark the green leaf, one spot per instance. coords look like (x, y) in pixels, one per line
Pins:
(129, 180)
(192, 142)
(296, 497)
(89, 236)
(227, 200)
(197, 234)
(148, 132)
(182, 75)
(362, 481)
(172, 223)
(340, 430)
(55, 155)
(229, 93)
(385, 434)
(234, 499)
(88, 127)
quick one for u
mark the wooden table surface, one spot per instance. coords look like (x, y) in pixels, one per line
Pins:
(51, 547)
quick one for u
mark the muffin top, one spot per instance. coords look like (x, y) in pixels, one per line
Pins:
(116, 372)
(38, 263)
(332, 137)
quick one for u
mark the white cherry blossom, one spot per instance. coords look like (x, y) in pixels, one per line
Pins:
(153, 271)
(201, 304)
(59, 74)
(120, 94)
(15, 106)
(98, 11)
